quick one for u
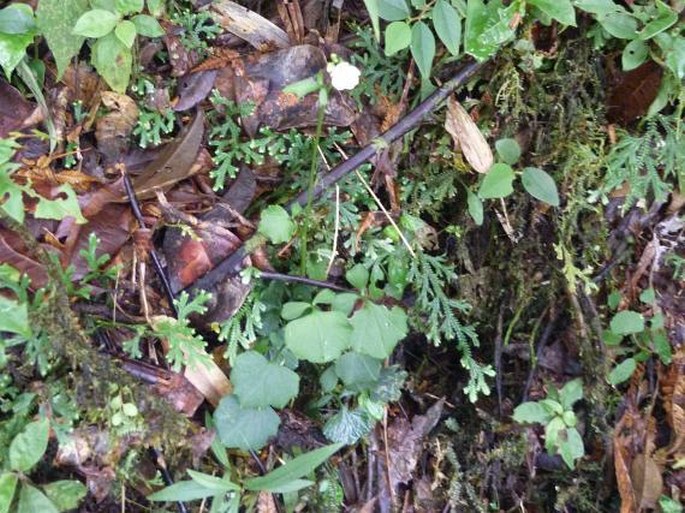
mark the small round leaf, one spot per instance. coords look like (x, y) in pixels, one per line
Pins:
(540, 185)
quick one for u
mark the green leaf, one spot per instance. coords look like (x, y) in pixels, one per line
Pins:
(32, 500)
(675, 57)
(125, 7)
(599, 7)
(508, 150)
(28, 447)
(497, 182)
(634, 54)
(126, 33)
(358, 371)
(258, 382)
(276, 225)
(294, 469)
(147, 26)
(61, 207)
(377, 330)
(540, 185)
(14, 317)
(218, 484)
(244, 428)
(182, 491)
(627, 322)
(374, 13)
(622, 372)
(347, 427)
(552, 431)
(95, 23)
(17, 19)
(113, 61)
(294, 309)
(319, 337)
(397, 37)
(572, 448)
(530, 413)
(65, 494)
(13, 196)
(8, 484)
(156, 7)
(487, 27)
(571, 393)
(56, 20)
(422, 48)
(358, 276)
(292, 486)
(13, 50)
(664, 20)
(328, 379)
(475, 206)
(447, 25)
(669, 505)
(560, 10)
(393, 10)
(619, 24)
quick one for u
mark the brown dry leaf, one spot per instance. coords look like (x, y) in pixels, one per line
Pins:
(468, 137)
(621, 462)
(645, 475)
(248, 25)
(678, 411)
(112, 130)
(265, 503)
(634, 92)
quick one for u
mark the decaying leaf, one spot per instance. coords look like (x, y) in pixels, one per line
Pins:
(210, 381)
(647, 482)
(114, 128)
(468, 137)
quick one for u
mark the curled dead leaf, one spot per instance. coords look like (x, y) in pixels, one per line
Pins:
(468, 137)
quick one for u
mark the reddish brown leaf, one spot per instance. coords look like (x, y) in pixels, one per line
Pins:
(633, 93)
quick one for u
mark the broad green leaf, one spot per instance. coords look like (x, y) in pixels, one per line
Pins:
(324, 297)
(552, 431)
(530, 413)
(662, 347)
(475, 206)
(13, 50)
(126, 33)
(669, 505)
(619, 24)
(627, 322)
(374, 14)
(540, 185)
(487, 27)
(572, 448)
(552, 405)
(95, 23)
(182, 491)
(570, 418)
(508, 150)
(61, 207)
(497, 182)
(147, 26)
(156, 7)
(319, 337)
(560, 10)
(571, 393)
(113, 61)
(648, 296)
(65, 494)
(17, 19)
(397, 37)
(259, 383)
(14, 317)
(344, 303)
(28, 447)
(622, 372)
(8, 485)
(32, 500)
(125, 7)
(244, 428)
(358, 276)
(293, 469)
(11, 197)
(218, 484)
(347, 427)
(328, 379)
(292, 486)
(358, 371)
(599, 7)
(393, 10)
(377, 329)
(675, 58)
(634, 54)
(276, 225)
(422, 48)
(447, 25)
(294, 309)
(56, 21)
(665, 19)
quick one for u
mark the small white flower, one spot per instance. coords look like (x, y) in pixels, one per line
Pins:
(344, 76)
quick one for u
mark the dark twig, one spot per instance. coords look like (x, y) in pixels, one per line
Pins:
(267, 275)
(156, 262)
(233, 263)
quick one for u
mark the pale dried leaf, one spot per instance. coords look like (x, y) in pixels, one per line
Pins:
(468, 137)
(647, 481)
(248, 25)
(210, 381)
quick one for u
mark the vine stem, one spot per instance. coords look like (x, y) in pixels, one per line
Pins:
(233, 263)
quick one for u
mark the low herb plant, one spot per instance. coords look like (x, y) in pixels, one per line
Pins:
(556, 414)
